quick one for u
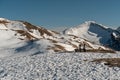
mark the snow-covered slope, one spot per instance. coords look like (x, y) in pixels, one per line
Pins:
(93, 32)
(62, 66)
(24, 29)
(23, 37)
(29, 52)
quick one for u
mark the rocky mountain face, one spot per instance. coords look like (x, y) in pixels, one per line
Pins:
(96, 33)
(118, 29)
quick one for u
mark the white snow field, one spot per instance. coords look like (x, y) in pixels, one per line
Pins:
(58, 66)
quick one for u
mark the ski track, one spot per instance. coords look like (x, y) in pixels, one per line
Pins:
(58, 66)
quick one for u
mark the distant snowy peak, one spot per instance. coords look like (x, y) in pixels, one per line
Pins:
(118, 29)
(97, 34)
(3, 19)
(91, 31)
(86, 27)
(94, 22)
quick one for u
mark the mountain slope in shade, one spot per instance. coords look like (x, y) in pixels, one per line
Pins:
(118, 29)
(95, 33)
(23, 37)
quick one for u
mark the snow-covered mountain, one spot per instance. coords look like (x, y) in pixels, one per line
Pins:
(96, 33)
(118, 29)
(28, 52)
(18, 36)
(23, 37)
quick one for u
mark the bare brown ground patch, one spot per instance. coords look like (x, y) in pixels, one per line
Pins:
(100, 51)
(40, 29)
(26, 34)
(57, 48)
(55, 32)
(73, 45)
(53, 41)
(4, 22)
(73, 36)
(111, 62)
(44, 31)
(29, 26)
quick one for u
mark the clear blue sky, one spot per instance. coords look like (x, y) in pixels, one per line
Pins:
(57, 13)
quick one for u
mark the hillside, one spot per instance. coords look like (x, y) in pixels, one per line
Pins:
(24, 37)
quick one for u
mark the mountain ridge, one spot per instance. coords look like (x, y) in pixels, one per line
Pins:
(94, 32)
(24, 37)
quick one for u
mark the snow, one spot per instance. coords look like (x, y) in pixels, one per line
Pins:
(114, 35)
(3, 19)
(2, 27)
(55, 66)
(11, 44)
(13, 38)
(32, 59)
(67, 47)
(35, 47)
(79, 30)
(12, 24)
(16, 25)
(7, 38)
(92, 31)
(36, 33)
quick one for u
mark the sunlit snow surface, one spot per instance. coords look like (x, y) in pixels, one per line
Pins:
(22, 58)
(57, 66)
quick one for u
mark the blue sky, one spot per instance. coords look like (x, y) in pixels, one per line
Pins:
(57, 13)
